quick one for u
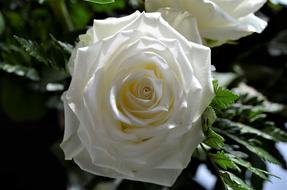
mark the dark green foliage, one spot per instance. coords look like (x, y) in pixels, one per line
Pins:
(243, 127)
(54, 54)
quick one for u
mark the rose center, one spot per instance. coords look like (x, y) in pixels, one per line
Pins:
(146, 92)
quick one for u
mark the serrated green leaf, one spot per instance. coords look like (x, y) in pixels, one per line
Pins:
(259, 172)
(245, 129)
(67, 48)
(208, 119)
(233, 181)
(20, 70)
(101, 1)
(233, 151)
(252, 148)
(223, 97)
(214, 140)
(224, 161)
(48, 54)
(32, 48)
(277, 133)
(60, 53)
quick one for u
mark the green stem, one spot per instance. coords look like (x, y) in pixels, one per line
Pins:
(214, 165)
(60, 11)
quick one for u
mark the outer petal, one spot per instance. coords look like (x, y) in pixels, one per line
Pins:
(243, 27)
(84, 65)
(101, 29)
(180, 159)
(105, 28)
(240, 8)
(247, 7)
(71, 143)
(164, 174)
(110, 26)
(158, 176)
(201, 54)
(153, 5)
(253, 23)
(183, 22)
(206, 12)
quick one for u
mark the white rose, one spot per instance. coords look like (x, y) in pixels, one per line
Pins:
(218, 20)
(134, 104)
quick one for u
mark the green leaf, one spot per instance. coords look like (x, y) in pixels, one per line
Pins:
(245, 129)
(224, 161)
(60, 53)
(208, 119)
(223, 97)
(32, 48)
(54, 54)
(214, 140)
(67, 48)
(277, 133)
(233, 182)
(101, 1)
(20, 70)
(14, 55)
(259, 172)
(252, 148)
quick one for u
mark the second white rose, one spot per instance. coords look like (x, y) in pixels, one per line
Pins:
(218, 20)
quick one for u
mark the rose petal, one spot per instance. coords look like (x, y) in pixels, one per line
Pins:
(71, 143)
(183, 22)
(218, 20)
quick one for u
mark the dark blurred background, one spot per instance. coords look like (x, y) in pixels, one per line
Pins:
(31, 118)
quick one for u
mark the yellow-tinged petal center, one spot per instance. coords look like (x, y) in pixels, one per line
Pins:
(144, 97)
